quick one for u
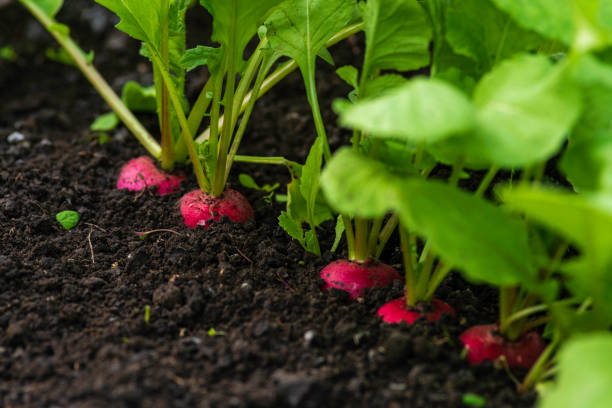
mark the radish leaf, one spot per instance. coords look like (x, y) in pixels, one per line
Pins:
(397, 35)
(420, 111)
(585, 374)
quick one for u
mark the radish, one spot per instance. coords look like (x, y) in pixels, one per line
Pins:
(141, 173)
(397, 311)
(485, 343)
(355, 276)
(199, 208)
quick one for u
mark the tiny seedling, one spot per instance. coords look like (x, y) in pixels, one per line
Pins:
(68, 219)
(147, 314)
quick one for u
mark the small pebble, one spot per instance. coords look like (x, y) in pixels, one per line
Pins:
(15, 137)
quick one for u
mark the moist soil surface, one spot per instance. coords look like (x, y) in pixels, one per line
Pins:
(236, 314)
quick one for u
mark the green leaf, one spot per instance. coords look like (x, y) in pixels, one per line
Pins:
(479, 30)
(68, 219)
(585, 219)
(551, 18)
(397, 33)
(339, 230)
(59, 28)
(235, 22)
(358, 186)
(138, 98)
(525, 109)
(382, 85)
(299, 29)
(457, 224)
(423, 110)
(201, 55)
(309, 181)
(292, 227)
(139, 19)
(49, 7)
(350, 75)
(248, 182)
(104, 123)
(585, 374)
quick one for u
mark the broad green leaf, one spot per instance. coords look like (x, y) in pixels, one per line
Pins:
(585, 374)
(587, 161)
(381, 85)
(235, 22)
(459, 227)
(551, 18)
(423, 110)
(479, 30)
(397, 34)
(139, 18)
(201, 55)
(457, 224)
(104, 123)
(592, 26)
(299, 29)
(138, 98)
(525, 111)
(358, 186)
(585, 219)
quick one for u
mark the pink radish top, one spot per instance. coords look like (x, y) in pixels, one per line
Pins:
(484, 343)
(354, 277)
(198, 208)
(396, 311)
(141, 173)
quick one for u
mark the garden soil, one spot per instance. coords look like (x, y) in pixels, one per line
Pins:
(236, 314)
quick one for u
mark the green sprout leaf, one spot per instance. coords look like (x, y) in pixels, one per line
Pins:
(473, 400)
(68, 219)
(585, 374)
(104, 123)
(423, 110)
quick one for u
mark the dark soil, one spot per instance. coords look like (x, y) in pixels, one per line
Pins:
(237, 318)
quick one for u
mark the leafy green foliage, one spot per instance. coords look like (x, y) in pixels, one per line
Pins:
(138, 18)
(67, 219)
(552, 18)
(420, 111)
(201, 55)
(299, 29)
(235, 22)
(585, 374)
(585, 219)
(398, 34)
(524, 108)
(479, 30)
(454, 222)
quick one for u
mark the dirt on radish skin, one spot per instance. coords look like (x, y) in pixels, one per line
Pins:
(396, 311)
(198, 208)
(354, 277)
(485, 343)
(141, 173)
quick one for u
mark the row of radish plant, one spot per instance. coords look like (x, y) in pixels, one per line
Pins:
(510, 84)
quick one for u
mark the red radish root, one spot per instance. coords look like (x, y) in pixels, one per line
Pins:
(485, 343)
(141, 173)
(198, 208)
(354, 277)
(396, 311)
